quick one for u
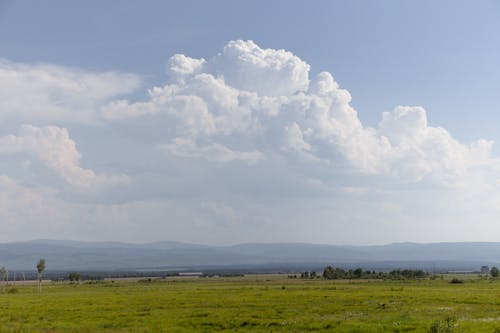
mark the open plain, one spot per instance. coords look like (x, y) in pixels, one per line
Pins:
(254, 304)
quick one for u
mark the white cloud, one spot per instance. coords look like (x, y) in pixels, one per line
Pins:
(245, 103)
(418, 150)
(248, 134)
(246, 66)
(27, 213)
(49, 93)
(222, 211)
(180, 66)
(212, 152)
(262, 99)
(53, 147)
(295, 138)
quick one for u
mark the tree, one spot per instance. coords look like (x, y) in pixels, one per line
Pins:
(74, 277)
(4, 274)
(494, 272)
(328, 273)
(40, 267)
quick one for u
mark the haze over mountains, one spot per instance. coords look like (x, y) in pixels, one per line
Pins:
(75, 255)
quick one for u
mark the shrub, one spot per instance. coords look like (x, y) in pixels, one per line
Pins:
(13, 290)
(456, 280)
(443, 326)
(74, 277)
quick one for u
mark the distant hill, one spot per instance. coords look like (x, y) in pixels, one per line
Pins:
(76, 255)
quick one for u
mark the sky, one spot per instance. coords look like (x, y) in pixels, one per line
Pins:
(223, 122)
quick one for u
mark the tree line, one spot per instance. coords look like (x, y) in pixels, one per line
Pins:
(334, 273)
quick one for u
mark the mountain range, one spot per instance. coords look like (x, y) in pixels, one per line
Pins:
(76, 255)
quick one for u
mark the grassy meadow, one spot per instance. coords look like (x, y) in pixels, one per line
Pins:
(253, 304)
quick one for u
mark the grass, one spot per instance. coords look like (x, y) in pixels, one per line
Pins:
(254, 304)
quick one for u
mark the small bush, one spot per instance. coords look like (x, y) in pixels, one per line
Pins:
(447, 325)
(13, 290)
(456, 281)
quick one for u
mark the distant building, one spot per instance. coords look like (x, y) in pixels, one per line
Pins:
(191, 274)
(485, 270)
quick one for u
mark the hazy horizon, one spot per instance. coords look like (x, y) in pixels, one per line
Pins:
(90, 241)
(336, 123)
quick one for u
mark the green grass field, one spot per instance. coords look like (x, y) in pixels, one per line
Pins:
(252, 304)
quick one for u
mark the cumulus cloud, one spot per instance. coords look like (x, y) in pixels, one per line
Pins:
(251, 135)
(180, 66)
(245, 104)
(26, 210)
(246, 66)
(212, 152)
(50, 93)
(418, 150)
(53, 147)
(263, 99)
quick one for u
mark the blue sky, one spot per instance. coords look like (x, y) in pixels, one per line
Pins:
(442, 57)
